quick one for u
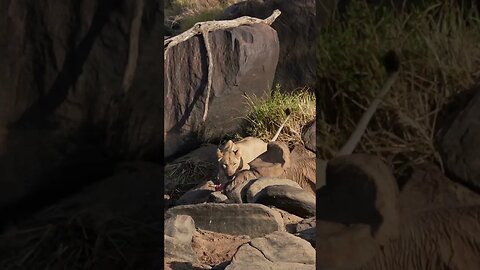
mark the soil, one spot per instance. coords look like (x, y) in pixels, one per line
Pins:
(214, 248)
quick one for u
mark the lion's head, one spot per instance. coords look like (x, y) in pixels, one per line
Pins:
(229, 161)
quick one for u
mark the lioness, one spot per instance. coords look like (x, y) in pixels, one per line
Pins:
(392, 65)
(235, 156)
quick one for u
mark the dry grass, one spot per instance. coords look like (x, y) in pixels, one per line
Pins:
(440, 51)
(78, 242)
(182, 176)
(266, 116)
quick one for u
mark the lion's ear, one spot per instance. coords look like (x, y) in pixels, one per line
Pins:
(219, 154)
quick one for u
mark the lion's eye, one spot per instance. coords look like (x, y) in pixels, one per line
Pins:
(224, 166)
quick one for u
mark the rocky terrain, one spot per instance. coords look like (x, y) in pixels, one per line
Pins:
(81, 156)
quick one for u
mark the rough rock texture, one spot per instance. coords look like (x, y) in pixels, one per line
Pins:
(290, 220)
(459, 139)
(263, 182)
(199, 194)
(296, 32)
(291, 199)
(306, 229)
(309, 136)
(244, 61)
(217, 197)
(180, 227)
(278, 250)
(62, 64)
(178, 250)
(237, 219)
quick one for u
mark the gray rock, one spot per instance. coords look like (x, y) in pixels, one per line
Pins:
(306, 224)
(259, 184)
(200, 194)
(278, 250)
(41, 106)
(253, 220)
(180, 227)
(309, 137)
(306, 229)
(459, 140)
(244, 60)
(291, 199)
(237, 193)
(296, 29)
(178, 250)
(218, 197)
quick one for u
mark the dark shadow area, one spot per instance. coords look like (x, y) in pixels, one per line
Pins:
(350, 199)
(37, 114)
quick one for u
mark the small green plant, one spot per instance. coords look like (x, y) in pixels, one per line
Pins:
(266, 116)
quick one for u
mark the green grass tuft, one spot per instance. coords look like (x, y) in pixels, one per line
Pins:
(265, 117)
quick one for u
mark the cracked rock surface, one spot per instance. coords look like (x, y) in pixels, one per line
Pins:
(278, 250)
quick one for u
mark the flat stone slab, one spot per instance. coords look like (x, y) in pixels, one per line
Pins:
(278, 250)
(254, 220)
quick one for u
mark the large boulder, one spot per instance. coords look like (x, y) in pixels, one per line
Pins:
(291, 199)
(278, 250)
(459, 137)
(296, 31)
(244, 62)
(258, 185)
(236, 219)
(63, 110)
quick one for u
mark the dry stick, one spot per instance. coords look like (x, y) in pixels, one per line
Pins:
(352, 142)
(210, 72)
(204, 28)
(287, 112)
(133, 47)
(210, 26)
